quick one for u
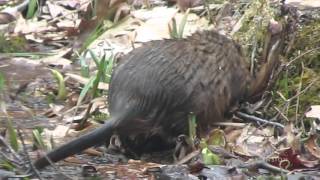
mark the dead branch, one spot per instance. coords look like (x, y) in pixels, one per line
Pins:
(254, 118)
(12, 151)
(36, 172)
(264, 165)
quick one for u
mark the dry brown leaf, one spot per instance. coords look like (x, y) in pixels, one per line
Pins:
(24, 26)
(314, 112)
(292, 139)
(312, 146)
(158, 19)
(55, 110)
(59, 132)
(57, 60)
(98, 103)
(73, 4)
(74, 160)
(254, 142)
(216, 137)
(55, 10)
(233, 135)
(93, 152)
(83, 80)
(242, 151)
(67, 24)
(304, 4)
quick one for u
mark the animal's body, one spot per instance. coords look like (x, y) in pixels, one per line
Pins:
(156, 86)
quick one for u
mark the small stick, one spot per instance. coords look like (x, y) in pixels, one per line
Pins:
(27, 155)
(298, 92)
(230, 124)
(264, 165)
(10, 159)
(304, 90)
(253, 118)
(281, 114)
(188, 157)
(16, 156)
(56, 168)
(301, 55)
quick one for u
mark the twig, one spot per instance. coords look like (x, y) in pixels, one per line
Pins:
(253, 118)
(298, 57)
(253, 52)
(4, 155)
(264, 165)
(229, 124)
(282, 96)
(56, 168)
(27, 155)
(68, 13)
(86, 115)
(16, 156)
(206, 5)
(188, 157)
(299, 90)
(288, 101)
(304, 90)
(237, 26)
(281, 114)
(198, 9)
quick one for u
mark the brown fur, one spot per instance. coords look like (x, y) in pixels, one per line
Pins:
(157, 85)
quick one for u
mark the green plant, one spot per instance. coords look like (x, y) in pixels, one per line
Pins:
(104, 66)
(39, 142)
(12, 132)
(12, 135)
(209, 158)
(12, 44)
(2, 82)
(4, 164)
(32, 8)
(98, 31)
(85, 71)
(176, 33)
(192, 127)
(62, 91)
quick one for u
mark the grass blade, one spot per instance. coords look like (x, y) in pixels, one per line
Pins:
(62, 91)
(32, 8)
(183, 24)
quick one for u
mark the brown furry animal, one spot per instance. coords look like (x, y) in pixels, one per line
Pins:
(157, 85)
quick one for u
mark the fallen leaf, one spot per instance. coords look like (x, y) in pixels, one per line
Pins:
(254, 142)
(83, 80)
(304, 4)
(73, 4)
(93, 152)
(74, 160)
(312, 146)
(54, 9)
(55, 110)
(314, 112)
(59, 132)
(217, 137)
